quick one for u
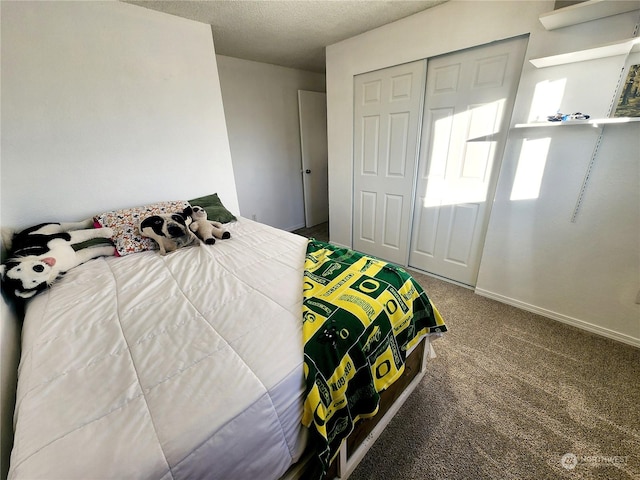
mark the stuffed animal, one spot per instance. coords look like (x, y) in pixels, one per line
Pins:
(40, 255)
(205, 230)
(170, 231)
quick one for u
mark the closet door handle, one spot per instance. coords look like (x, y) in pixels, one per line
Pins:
(307, 171)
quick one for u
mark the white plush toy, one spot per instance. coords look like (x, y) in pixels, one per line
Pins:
(206, 230)
(41, 254)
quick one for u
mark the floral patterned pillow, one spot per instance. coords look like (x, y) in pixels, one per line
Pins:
(125, 222)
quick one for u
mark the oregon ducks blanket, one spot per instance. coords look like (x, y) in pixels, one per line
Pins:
(361, 315)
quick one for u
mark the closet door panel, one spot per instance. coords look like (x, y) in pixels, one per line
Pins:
(468, 102)
(388, 113)
(370, 142)
(393, 207)
(427, 222)
(368, 218)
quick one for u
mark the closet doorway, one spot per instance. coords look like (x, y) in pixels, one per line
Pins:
(465, 111)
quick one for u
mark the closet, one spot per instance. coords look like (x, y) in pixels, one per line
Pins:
(428, 141)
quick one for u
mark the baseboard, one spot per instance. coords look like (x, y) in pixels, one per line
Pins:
(439, 277)
(294, 228)
(605, 332)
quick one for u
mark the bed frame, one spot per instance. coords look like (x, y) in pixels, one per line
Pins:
(367, 431)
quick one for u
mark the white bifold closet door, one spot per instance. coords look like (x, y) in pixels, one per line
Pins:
(428, 140)
(387, 115)
(468, 103)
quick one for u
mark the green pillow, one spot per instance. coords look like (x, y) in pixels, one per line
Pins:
(214, 208)
(94, 242)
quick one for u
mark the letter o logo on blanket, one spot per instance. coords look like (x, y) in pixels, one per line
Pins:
(387, 365)
(391, 303)
(369, 286)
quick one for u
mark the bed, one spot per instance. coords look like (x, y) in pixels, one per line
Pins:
(194, 364)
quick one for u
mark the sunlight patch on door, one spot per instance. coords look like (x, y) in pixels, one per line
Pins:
(483, 122)
(458, 171)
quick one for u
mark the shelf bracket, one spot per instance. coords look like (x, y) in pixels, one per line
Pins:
(594, 155)
(587, 176)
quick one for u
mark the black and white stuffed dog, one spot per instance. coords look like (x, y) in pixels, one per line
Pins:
(41, 254)
(170, 231)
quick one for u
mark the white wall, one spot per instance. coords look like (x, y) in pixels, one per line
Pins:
(585, 273)
(104, 105)
(107, 105)
(261, 109)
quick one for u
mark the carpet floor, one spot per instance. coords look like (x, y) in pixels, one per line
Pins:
(513, 395)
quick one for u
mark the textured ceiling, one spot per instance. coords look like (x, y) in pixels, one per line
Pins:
(287, 33)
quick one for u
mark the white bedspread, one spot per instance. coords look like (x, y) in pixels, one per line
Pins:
(184, 366)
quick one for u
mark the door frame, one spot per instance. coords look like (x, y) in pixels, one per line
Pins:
(312, 116)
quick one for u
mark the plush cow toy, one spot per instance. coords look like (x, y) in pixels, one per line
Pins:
(205, 230)
(41, 254)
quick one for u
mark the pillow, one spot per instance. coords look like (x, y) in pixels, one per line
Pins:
(126, 235)
(214, 208)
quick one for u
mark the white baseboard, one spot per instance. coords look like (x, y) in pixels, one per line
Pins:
(605, 332)
(439, 277)
(294, 228)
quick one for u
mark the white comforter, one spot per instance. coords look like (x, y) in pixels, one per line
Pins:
(183, 366)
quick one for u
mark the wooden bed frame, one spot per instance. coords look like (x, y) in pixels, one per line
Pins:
(367, 431)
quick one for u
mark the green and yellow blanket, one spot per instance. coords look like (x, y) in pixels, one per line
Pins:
(361, 315)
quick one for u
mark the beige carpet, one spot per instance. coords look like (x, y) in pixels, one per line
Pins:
(510, 395)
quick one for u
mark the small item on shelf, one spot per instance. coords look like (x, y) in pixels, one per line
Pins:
(558, 117)
(579, 116)
(562, 117)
